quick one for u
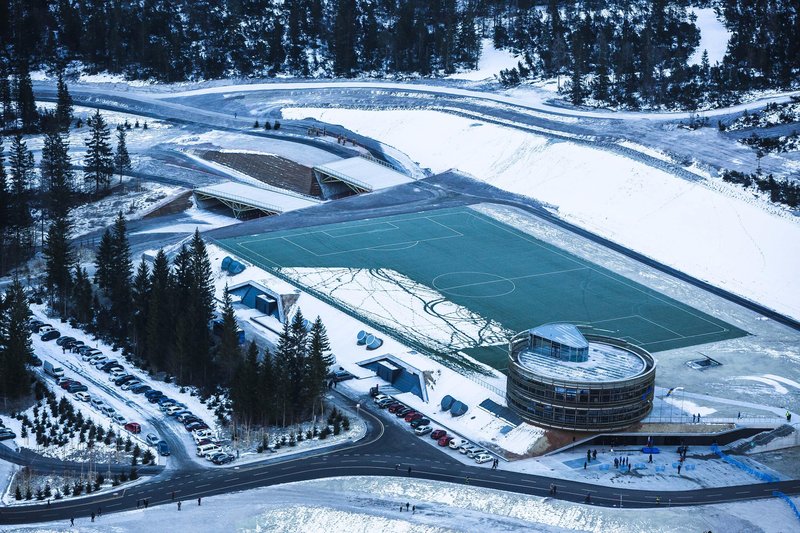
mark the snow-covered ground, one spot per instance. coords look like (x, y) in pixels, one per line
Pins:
(714, 37)
(725, 240)
(366, 505)
(491, 62)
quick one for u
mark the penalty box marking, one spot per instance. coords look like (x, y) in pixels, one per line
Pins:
(289, 238)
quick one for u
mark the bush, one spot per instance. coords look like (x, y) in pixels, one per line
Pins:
(48, 492)
(276, 126)
(292, 441)
(123, 477)
(115, 480)
(17, 494)
(134, 474)
(148, 457)
(346, 424)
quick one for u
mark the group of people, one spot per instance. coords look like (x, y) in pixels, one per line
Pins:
(696, 418)
(623, 461)
(413, 508)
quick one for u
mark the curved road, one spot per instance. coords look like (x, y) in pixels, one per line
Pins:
(378, 454)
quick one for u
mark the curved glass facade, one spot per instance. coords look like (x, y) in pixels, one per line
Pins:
(584, 406)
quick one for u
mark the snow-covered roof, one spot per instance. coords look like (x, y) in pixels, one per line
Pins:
(364, 173)
(264, 198)
(605, 363)
(564, 334)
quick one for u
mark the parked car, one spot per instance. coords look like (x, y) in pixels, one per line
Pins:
(108, 410)
(222, 458)
(472, 454)
(116, 373)
(423, 430)
(5, 435)
(67, 382)
(395, 406)
(50, 335)
(383, 404)
(172, 410)
(77, 387)
(128, 385)
(88, 355)
(133, 427)
(483, 458)
(456, 443)
(108, 365)
(84, 349)
(400, 413)
(420, 422)
(68, 345)
(97, 403)
(52, 370)
(152, 439)
(153, 393)
(82, 396)
(380, 397)
(202, 434)
(34, 325)
(184, 415)
(196, 425)
(464, 448)
(118, 419)
(140, 389)
(445, 441)
(61, 340)
(206, 449)
(163, 448)
(410, 417)
(62, 379)
(438, 434)
(42, 327)
(34, 360)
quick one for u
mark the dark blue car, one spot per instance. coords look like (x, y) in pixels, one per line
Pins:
(163, 448)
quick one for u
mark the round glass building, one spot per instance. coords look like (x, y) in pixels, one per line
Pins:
(559, 377)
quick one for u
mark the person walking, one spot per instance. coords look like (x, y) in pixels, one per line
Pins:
(413, 509)
(198, 502)
(616, 463)
(409, 471)
(401, 507)
(92, 516)
(173, 495)
(146, 502)
(584, 465)
(650, 459)
(407, 506)
(138, 503)
(594, 454)
(396, 467)
(179, 505)
(555, 489)
(679, 469)
(588, 455)
(71, 522)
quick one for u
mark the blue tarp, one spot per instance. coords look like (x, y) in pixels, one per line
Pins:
(361, 337)
(236, 267)
(458, 408)
(447, 402)
(375, 344)
(226, 261)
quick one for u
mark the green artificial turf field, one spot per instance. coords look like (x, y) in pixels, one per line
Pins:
(495, 270)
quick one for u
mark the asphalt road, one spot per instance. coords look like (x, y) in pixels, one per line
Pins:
(379, 453)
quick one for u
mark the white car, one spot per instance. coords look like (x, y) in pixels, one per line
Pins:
(423, 430)
(118, 419)
(82, 396)
(130, 384)
(172, 409)
(152, 439)
(116, 373)
(457, 443)
(473, 453)
(380, 397)
(465, 448)
(483, 458)
(202, 434)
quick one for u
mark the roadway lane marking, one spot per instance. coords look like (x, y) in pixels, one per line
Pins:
(203, 485)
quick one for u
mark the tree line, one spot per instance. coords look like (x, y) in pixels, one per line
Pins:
(50, 193)
(634, 54)
(201, 39)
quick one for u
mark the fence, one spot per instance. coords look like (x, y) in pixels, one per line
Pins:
(788, 500)
(763, 476)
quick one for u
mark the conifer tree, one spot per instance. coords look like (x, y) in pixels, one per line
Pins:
(57, 174)
(15, 342)
(160, 327)
(119, 292)
(26, 102)
(229, 354)
(122, 160)
(319, 359)
(104, 261)
(19, 209)
(63, 105)
(82, 297)
(59, 260)
(141, 305)
(99, 164)
(4, 203)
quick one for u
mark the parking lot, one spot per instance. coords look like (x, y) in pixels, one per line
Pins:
(104, 385)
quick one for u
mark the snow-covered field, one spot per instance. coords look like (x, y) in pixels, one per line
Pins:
(368, 505)
(714, 37)
(725, 240)
(491, 62)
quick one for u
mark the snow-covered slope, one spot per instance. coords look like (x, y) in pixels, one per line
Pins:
(725, 240)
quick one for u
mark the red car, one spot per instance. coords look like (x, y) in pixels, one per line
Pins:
(438, 434)
(133, 427)
(410, 417)
(66, 384)
(444, 441)
(395, 406)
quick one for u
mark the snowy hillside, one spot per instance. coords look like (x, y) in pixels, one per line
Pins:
(725, 240)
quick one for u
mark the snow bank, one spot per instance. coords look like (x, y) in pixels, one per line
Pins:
(490, 63)
(687, 225)
(714, 37)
